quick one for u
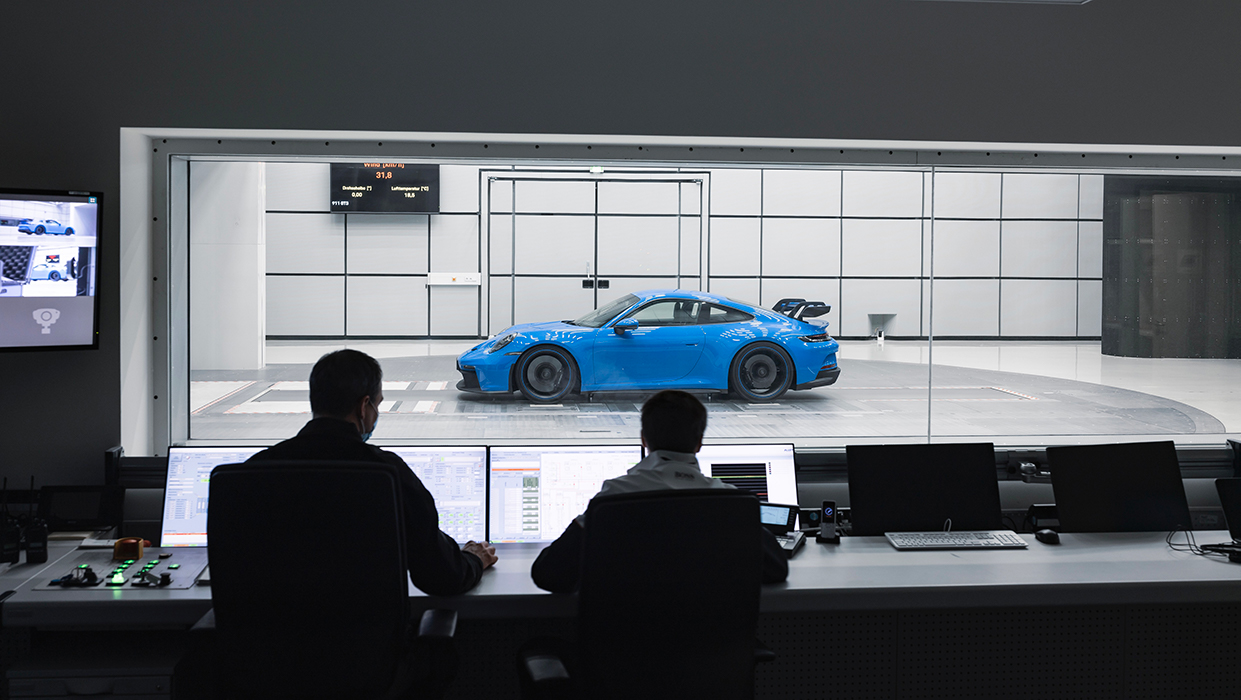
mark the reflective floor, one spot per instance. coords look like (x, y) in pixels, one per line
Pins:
(983, 390)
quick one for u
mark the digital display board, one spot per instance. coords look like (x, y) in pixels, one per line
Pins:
(385, 187)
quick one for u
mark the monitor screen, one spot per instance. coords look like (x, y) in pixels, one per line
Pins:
(778, 518)
(764, 470)
(537, 491)
(457, 480)
(187, 489)
(919, 488)
(1131, 487)
(48, 254)
(385, 187)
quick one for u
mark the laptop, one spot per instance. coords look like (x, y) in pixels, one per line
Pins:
(1126, 487)
(780, 520)
(1230, 498)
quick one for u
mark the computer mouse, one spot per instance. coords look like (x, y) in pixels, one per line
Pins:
(1047, 536)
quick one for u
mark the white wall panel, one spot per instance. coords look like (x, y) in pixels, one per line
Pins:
(305, 306)
(801, 247)
(501, 194)
(1038, 307)
(1090, 197)
(1090, 249)
(387, 243)
(965, 249)
(387, 306)
(963, 307)
(500, 244)
(826, 291)
(305, 243)
(638, 197)
(861, 297)
(1038, 249)
(691, 245)
(454, 310)
(299, 187)
(1090, 308)
(459, 188)
(801, 193)
(500, 307)
(554, 245)
(555, 197)
(692, 195)
(620, 286)
(736, 192)
(454, 243)
(552, 299)
(739, 289)
(734, 247)
(877, 248)
(881, 193)
(637, 245)
(967, 195)
(1037, 196)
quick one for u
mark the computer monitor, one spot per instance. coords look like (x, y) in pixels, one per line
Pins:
(536, 492)
(187, 489)
(919, 488)
(1127, 487)
(457, 480)
(764, 470)
(1229, 491)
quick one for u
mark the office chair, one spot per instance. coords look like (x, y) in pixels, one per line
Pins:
(662, 610)
(310, 590)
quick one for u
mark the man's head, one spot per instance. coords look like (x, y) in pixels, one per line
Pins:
(347, 384)
(673, 421)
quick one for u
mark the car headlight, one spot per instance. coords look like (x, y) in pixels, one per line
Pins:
(502, 342)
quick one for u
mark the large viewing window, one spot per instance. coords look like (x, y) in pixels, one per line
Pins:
(1006, 304)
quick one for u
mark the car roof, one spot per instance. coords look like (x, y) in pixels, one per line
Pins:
(651, 294)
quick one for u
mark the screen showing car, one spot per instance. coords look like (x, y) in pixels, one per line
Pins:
(48, 254)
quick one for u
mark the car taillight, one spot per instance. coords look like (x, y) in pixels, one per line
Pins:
(820, 338)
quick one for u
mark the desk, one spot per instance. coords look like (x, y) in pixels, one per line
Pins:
(1104, 614)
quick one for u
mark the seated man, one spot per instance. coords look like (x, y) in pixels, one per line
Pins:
(673, 423)
(346, 389)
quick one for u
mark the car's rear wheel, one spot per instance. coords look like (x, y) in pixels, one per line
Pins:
(39, 230)
(68, 231)
(546, 374)
(760, 372)
(54, 276)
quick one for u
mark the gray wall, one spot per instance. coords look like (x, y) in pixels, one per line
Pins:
(1111, 71)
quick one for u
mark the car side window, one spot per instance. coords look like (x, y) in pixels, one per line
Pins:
(723, 314)
(669, 312)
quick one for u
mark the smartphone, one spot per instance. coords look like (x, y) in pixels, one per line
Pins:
(827, 519)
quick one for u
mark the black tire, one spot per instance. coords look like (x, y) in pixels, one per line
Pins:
(760, 372)
(545, 374)
(54, 276)
(69, 231)
(39, 230)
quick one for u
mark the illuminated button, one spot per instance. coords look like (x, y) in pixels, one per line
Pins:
(81, 566)
(153, 562)
(128, 562)
(174, 566)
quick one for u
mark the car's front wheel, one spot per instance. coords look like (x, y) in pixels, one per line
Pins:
(545, 374)
(54, 276)
(760, 372)
(39, 230)
(68, 231)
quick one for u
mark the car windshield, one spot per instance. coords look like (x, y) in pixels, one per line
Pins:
(603, 314)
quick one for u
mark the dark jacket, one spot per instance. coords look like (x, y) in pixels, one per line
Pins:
(436, 563)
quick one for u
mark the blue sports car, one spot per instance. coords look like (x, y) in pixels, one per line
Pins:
(660, 339)
(42, 226)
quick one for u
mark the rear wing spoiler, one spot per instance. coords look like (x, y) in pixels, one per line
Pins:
(801, 309)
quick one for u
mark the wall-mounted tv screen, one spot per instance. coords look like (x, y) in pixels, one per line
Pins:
(48, 261)
(385, 187)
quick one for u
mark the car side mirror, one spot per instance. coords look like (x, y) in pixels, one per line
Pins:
(627, 324)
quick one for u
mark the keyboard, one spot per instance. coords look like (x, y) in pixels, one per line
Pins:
(984, 539)
(791, 542)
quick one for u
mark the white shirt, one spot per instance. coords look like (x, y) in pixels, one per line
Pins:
(662, 469)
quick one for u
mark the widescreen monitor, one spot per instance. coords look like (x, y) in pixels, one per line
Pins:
(187, 489)
(457, 480)
(1127, 487)
(536, 492)
(48, 254)
(764, 470)
(923, 488)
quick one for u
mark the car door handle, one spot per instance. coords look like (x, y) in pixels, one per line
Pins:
(691, 344)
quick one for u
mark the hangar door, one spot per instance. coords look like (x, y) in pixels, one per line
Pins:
(559, 247)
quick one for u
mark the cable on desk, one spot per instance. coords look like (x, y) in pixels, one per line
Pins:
(1191, 545)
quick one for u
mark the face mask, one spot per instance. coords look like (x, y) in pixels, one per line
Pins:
(367, 435)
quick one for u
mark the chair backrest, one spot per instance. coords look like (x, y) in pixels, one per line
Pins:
(663, 609)
(309, 582)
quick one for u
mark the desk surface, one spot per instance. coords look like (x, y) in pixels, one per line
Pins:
(861, 573)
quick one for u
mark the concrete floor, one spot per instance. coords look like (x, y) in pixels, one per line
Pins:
(1010, 393)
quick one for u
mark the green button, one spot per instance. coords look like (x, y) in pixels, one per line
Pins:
(129, 561)
(174, 566)
(153, 562)
(81, 566)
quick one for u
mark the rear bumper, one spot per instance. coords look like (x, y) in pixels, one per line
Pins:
(826, 376)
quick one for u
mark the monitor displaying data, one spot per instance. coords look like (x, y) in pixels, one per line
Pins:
(187, 489)
(764, 470)
(537, 491)
(457, 480)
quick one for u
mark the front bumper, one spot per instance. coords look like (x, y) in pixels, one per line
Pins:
(826, 376)
(484, 374)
